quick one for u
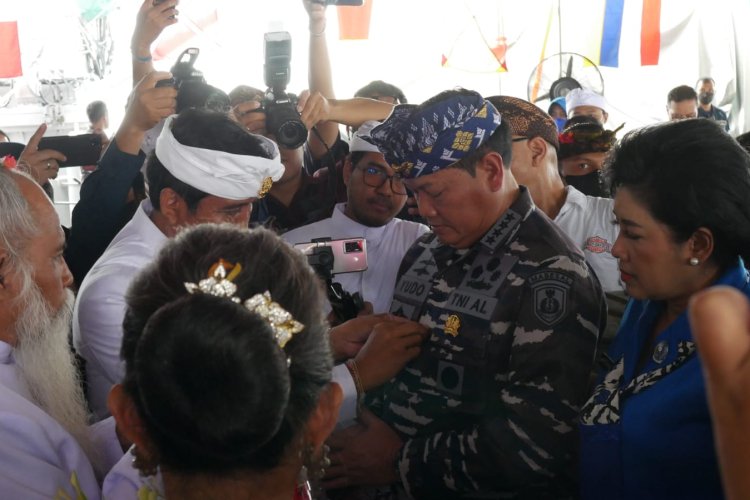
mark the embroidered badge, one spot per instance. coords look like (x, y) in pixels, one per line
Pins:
(265, 187)
(550, 290)
(452, 324)
(597, 244)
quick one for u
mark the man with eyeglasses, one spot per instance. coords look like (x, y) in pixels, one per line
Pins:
(374, 197)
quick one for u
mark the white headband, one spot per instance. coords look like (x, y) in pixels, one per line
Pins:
(584, 97)
(226, 175)
(358, 143)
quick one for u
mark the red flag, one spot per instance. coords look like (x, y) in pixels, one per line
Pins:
(10, 51)
(650, 32)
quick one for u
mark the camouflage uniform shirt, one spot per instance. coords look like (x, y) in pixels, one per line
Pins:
(488, 408)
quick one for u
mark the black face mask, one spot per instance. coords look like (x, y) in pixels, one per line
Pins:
(591, 184)
(706, 97)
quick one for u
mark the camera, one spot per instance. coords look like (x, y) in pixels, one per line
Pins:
(191, 86)
(282, 119)
(330, 257)
(184, 70)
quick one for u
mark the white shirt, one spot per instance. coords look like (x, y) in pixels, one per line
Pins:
(386, 247)
(100, 305)
(38, 457)
(587, 220)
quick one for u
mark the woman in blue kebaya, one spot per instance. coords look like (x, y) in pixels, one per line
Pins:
(682, 201)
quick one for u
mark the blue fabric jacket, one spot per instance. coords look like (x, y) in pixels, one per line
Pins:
(646, 433)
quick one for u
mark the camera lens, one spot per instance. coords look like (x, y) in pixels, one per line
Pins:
(282, 120)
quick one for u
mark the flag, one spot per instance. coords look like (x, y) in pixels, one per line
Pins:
(612, 20)
(10, 50)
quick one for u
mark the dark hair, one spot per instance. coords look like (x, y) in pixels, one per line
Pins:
(705, 79)
(201, 95)
(499, 142)
(96, 110)
(215, 390)
(689, 174)
(380, 88)
(575, 120)
(201, 128)
(744, 140)
(244, 93)
(682, 93)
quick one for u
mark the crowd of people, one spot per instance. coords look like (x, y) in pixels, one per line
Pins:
(547, 311)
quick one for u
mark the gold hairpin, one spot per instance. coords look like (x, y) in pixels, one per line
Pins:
(282, 323)
(219, 284)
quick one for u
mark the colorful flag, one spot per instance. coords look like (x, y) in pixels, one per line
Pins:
(10, 50)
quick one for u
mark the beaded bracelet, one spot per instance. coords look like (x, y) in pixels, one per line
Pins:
(140, 59)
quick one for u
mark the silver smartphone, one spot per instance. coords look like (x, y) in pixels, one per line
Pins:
(349, 255)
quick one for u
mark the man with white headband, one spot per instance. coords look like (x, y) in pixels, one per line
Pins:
(206, 168)
(586, 102)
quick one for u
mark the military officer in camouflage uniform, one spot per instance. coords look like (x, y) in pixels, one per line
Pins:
(488, 408)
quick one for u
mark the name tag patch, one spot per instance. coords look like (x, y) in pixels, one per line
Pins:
(474, 304)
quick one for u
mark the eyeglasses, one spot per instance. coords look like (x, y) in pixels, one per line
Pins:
(375, 177)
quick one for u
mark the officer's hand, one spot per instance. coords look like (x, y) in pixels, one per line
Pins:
(392, 344)
(253, 119)
(149, 104)
(151, 20)
(363, 454)
(42, 164)
(349, 337)
(720, 320)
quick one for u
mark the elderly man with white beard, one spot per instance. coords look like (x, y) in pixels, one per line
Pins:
(47, 446)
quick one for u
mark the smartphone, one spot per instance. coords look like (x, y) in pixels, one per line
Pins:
(352, 3)
(84, 149)
(349, 255)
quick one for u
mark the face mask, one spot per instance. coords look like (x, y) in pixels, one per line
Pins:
(591, 184)
(560, 122)
(706, 97)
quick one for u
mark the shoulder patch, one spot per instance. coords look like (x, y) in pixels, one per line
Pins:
(597, 244)
(550, 290)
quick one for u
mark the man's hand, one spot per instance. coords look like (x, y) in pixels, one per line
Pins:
(389, 347)
(720, 319)
(152, 18)
(316, 12)
(147, 106)
(251, 116)
(363, 455)
(313, 108)
(43, 164)
(349, 337)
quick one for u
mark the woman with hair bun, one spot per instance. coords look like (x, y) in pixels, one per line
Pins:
(227, 390)
(683, 206)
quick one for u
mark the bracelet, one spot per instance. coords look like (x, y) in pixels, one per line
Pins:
(140, 59)
(352, 366)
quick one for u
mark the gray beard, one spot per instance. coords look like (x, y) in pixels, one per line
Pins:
(46, 364)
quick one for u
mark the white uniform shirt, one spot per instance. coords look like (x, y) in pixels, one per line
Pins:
(386, 246)
(587, 220)
(100, 305)
(38, 457)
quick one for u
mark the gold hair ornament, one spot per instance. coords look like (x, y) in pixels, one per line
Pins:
(219, 284)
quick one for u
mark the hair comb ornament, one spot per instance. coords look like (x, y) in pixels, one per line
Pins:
(282, 323)
(219, 284)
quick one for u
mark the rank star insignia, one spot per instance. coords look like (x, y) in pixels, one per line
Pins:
(265, 187)
(452, 324)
